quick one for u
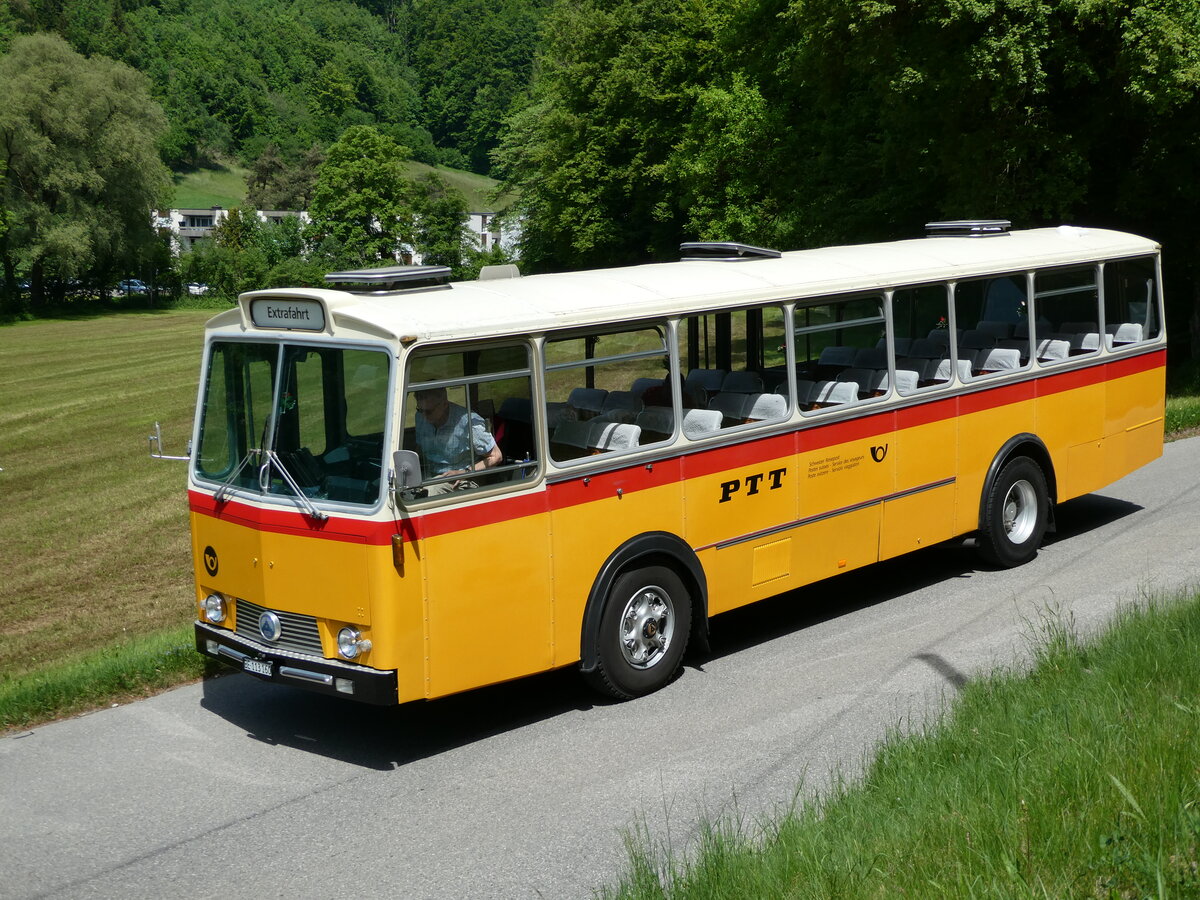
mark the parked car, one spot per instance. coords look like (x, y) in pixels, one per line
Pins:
(132, 286)
(196, 289)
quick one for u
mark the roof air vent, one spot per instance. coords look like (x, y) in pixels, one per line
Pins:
(386, 279)
(724, 251)
(491, 273)
(968, 228)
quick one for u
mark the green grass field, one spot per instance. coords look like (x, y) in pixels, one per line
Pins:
(94, 533)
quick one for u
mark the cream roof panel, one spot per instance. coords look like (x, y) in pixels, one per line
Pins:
(543, 302)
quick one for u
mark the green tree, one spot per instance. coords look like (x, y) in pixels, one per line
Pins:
(78, 145)
(589, 155)
(363, 204)
(275, 183)
(440, 233)
(817, 121)
(472, 59)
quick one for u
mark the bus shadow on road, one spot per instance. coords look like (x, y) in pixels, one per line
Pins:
(1088, 513)
(385, 738)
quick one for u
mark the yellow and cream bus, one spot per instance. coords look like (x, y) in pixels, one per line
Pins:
(641, 449)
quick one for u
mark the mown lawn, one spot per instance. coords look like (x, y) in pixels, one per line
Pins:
(94, 546)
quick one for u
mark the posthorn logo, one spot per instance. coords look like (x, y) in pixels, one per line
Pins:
(878, 453)
(210, 561)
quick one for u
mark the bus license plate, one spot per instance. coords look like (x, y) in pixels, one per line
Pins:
(258, 667)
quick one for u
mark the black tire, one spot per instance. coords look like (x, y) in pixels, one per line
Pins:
(643, 633)
(1016, 514)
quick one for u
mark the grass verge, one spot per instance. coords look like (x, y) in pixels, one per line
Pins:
(126, 670)
(1078, 778)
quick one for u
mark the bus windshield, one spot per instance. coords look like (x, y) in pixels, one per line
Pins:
(295, 420)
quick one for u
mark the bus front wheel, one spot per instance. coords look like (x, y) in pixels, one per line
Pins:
(643, 633)
(1016, 514)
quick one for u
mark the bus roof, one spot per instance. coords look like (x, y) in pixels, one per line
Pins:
(538, 303)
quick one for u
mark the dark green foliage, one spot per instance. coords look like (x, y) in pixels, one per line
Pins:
(472, 59)
(363, 206)
(441, 213)
(590, 152)
(81, 172)
(276, 184)
(235, 75)
(793, 124)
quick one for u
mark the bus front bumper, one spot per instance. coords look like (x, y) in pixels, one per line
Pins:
(324, 676)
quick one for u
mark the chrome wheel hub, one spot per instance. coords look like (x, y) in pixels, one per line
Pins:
(647, 627)
(1019, 512)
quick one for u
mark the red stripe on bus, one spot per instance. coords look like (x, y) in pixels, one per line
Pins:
(643, 476)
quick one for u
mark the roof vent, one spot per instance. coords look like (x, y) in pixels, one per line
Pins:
(387, 279)
(491, 273)
(724, 251)
(968, 228)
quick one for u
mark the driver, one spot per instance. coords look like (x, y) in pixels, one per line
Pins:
(452, 440)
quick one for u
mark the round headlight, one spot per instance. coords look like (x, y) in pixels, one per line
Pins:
(214, 608)
(351, 643)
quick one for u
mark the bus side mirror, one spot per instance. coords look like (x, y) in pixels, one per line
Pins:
(407, 467)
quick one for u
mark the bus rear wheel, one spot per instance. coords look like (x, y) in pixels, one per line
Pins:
(1016, 514)
(643, 633)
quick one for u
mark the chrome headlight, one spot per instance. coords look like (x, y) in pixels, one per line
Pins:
(351, 643)
(214, 608)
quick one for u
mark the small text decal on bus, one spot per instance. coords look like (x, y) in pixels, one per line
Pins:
(753, 483)
(302, 315)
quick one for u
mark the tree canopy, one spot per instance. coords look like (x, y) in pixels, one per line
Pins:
(80, 163)
(235, 76)
(362, 207)
(816, 121)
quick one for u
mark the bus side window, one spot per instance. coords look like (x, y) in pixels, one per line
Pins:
(736, 365)
(468, 415)
(992, 325)
(607, 392)
(920, 329)
(1067, 306)
(841, 352)
(1130, 302)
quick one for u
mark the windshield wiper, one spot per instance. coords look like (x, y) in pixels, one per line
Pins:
(264, 475)
(263, 460)
(222, 493)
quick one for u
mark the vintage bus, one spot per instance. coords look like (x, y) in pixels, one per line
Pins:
(402, 487)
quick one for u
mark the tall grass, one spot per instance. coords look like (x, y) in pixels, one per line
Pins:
(1080, 778)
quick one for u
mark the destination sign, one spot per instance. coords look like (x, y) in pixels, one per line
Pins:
(301, 315)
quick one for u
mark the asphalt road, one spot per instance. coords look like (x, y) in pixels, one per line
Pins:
(235, 788)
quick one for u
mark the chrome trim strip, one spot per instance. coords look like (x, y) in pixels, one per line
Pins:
(788, 526)
(303, 675)
(222, 650)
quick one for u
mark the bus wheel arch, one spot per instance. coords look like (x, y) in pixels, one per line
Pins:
(1016, 506)
(674, 584)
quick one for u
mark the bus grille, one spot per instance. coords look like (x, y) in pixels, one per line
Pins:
(299, 633)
